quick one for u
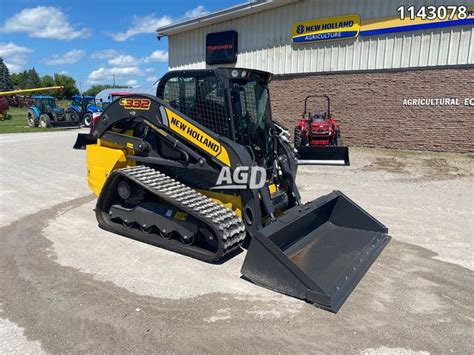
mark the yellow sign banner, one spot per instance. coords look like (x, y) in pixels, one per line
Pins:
(326, 29)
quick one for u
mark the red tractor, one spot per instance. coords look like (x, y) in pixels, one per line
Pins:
(318, 137)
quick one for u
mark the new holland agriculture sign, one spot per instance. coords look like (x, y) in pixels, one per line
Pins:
(351, 26)
(341, 27)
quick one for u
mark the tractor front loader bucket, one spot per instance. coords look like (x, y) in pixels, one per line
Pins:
(323, 155)
(84, 139)
(64, 124)
(317, 252)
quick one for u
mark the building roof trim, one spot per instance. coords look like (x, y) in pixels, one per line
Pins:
(221, 16)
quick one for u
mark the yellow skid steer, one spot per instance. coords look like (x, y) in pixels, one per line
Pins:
(202, 170)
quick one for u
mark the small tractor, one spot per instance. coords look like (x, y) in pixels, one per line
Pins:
(84, 109)
(318, 137)
(8, 98)
(45, 114)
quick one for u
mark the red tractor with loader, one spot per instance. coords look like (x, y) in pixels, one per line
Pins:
(318, 137)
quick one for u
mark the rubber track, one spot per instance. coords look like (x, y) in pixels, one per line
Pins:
(231, 229)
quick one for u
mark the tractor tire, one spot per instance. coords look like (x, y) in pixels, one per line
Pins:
(300, 139)
(31, 119)
(297, 137)
(44, 121)
(87, 120)
(73, 116)
(67, 116)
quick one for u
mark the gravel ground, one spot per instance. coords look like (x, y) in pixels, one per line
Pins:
(67, 286)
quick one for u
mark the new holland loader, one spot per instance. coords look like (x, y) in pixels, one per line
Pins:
(154, 163)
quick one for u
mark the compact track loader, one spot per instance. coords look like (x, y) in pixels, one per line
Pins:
(157, 163)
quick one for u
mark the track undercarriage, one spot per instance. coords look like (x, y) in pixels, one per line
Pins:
(150, 206)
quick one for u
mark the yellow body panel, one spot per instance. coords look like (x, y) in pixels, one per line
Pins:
(101, 161)
(231, 202)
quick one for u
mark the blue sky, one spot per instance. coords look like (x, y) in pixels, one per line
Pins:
(93, 40)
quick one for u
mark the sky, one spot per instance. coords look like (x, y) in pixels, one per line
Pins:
(93, 40)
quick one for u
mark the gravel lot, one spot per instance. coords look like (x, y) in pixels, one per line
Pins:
(67, 286)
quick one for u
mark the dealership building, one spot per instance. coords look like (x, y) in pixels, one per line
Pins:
(393, 82)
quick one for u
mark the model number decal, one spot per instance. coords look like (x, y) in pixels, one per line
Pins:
(449, 12)
(137, 104)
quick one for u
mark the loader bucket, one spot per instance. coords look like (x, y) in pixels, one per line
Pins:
(83, 139)
(323, 155)
(317, 252)
(64, 124)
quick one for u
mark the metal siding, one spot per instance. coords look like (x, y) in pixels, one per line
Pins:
(265, 41)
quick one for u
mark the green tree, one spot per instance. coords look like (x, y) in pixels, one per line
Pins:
(5, 79)
(47, 80)
(69, 84)
(19, 80)
(32, 79)
(95, 89)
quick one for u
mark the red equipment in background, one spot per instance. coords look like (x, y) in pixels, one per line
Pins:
(318, 137)
(112, 97)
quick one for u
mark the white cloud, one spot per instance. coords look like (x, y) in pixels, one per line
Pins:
(13, 67)
(127, 60)
(156, 56)
(124, 60)
(123, 65)
(145, 24)
(149, 24)
(133, 83)
(105, 54)
(63, 72)
(102, 74)
(70, 57)
(14, 56)
(196, 12)
(152, 79)
(43, 22)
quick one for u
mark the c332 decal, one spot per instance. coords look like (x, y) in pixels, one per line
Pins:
(135, 104)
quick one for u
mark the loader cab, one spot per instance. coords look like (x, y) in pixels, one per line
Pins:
(45, 103)
(83, 103)
(232, 102)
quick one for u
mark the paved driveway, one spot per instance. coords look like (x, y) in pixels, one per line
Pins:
(67, 286)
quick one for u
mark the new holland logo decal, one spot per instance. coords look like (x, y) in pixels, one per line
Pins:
(326, 29)
(196, 136)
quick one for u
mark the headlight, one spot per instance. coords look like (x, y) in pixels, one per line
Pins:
(234, 73)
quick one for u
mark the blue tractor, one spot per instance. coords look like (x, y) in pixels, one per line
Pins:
(83, 109)
(45, 113)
